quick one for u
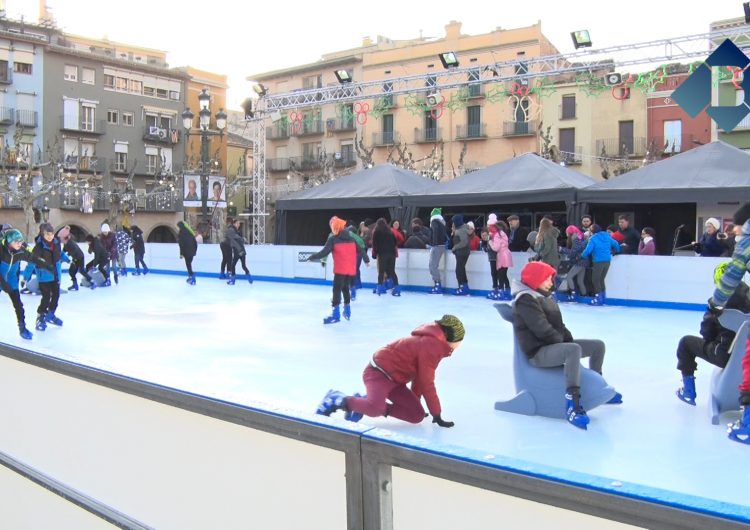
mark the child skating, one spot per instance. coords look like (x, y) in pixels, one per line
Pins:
(49, 249)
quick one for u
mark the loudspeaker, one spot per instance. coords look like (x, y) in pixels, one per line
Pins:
(613, 79)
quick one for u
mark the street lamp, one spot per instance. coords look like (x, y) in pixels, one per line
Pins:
(204, 121)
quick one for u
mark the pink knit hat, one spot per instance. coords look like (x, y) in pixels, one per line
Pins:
(573, 229)
(491, 219)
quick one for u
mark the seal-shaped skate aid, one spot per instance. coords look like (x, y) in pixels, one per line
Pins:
(725, 381)
(541, 391)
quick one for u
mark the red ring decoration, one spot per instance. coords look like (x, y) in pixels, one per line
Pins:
(625, 93)
(519, 90)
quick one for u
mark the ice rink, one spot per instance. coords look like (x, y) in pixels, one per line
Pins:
(264, 345)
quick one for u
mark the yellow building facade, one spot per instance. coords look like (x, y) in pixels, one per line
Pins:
(486, 125)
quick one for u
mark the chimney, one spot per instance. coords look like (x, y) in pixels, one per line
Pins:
(366, 41)
(452, 30)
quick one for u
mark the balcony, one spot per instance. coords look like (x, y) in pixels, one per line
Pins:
(304, 163)
(342, 125)
(71, 123)
(635, 147)
(471, 131)
(384, 138)
(572, 156)
(27, 118)
(160, 202)
(6, 115)
(567, 112)
(671, 145)
(425, 136)
(6, 73)
(308, 128)
(84, 201)
(277, 164)
(344, 160)
(277, 132)
(388, 101)
(519, 128)
(162, 135)
(85, 163)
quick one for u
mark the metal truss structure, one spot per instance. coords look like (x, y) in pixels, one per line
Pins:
(656, 52)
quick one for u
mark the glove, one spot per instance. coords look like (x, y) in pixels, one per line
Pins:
(713, 308)
(441, 422)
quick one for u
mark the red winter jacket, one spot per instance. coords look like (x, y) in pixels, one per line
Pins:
(414, 359)
(345, 251)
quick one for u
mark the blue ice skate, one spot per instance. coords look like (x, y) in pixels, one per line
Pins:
(739, 431)
(575, 414)
(333, 401)
(25, 333)
(52, 319)
(335, 316)
(437, 288)
(396, 291)
(687, 393)
(347, 311)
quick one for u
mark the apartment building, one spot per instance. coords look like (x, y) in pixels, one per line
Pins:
(484, 130)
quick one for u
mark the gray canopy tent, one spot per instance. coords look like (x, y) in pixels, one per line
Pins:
(525, 179)
(665, 194)
(712, 172)
(374, 192)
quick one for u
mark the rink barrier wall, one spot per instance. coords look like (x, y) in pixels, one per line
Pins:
(375, 462)
(664, 282)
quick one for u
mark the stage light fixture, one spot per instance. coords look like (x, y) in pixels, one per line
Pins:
(581, 39)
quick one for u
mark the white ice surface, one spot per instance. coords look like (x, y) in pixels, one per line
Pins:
(265, 345)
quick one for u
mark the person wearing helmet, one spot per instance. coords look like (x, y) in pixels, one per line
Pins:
(715, 341)
(12, 252)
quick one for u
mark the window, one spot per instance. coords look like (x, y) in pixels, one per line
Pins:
(474, 90)
(152, 163)
(347, 153)
(136, 87)
(88, 76)
(387, 128)
(173, 94)
(626, 143)
(388, 99)
(113, 117)
(568, 107)
(121, 162)
(474, 121)
(149, 91)
(311, 150)
(672, 136)
(430, 127)
(431, 81)
(88, 115)
(22, 68)
(127, 119)
(165, 122)
(4, 72)
(122, 84)
(312, 81)
(162, 93)
(109, 81)
(567, 141)
(70, 72)
(152, 120)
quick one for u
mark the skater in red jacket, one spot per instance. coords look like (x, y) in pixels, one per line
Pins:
(414, 360)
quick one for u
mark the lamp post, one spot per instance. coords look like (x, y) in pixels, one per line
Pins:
(204, 121)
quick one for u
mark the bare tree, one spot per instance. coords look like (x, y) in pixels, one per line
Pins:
(364, 154)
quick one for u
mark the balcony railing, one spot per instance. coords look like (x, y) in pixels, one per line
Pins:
(27, 118)
(163, 135)
(160, 202)
(345, 160)
(519, 128)
(71, 201)
(85, 163)
(568, 112)
(6, 73)
(304, 163)
(308, 128)
(635, 147)
(277, 132)
(70, 123)
(6, 115)
(384, 138)
(423, 136)
(277, 164)
(572, 157)
(671, 144)
(473, 130)
(340, 125)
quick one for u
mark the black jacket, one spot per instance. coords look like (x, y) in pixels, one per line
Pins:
(417, 240)
(716, 336)
(139, 246)
(73, 250)
(186, 241)
(517, 241)
(537, 320)
(383, 243)
(631, 240)
(235, 240)
(439, 234)
(100, 253)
